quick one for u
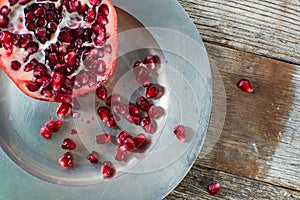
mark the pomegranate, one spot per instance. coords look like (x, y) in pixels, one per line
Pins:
(56, 50)
(245, 85)
(101, 92)
(154, 91)
(214, 188)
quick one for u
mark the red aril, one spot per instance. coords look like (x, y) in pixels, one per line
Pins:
(93, 157)
(134, 119)
(103, 138)
(66, 160)
(122, 137)
(54, 55)
(154, 91)
(140, 140)
(112, 121)
(101, 92)
(150, 128)
(152, 62)
(121, 153)
(155, 112)
(63, 110)
(214, 188)
(133, 109)
(143, 103)
(46, 133)
(68, 144)
(120, 108)
(104, 113)
(113, 99)
(108, 170)
(129, 144)
(180, 132)
(49, 128)
(245, 85)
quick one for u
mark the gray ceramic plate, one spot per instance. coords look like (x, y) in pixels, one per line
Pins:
(28, 167)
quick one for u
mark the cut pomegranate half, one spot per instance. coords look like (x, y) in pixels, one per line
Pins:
(60, 49)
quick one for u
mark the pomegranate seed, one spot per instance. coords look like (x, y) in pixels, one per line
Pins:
(120, 109)
(63, 110)
(108, 169)
(112, 122)
(66, 160)
(101, 92)
(180, 132)
(39, 12)
(142, 75)
(12, 2)
(4, 21)
(46, 133)
(95, 2)
(129, 144)
(103, 138)
(70, 59)
(154, 91)
(113, 99)
(121, 154)
(90, 15)
(104, 9)
(4, 10)
(74, 132)
(15, 65)
(93, 157)
(54, 126)
(32, 86)
(32, 47)
(68, 144)
(133, 109)
(5, 38)
(140, 140)
(104, 113)
(145, 121)
(245, 85)
(122, 137)
(40, 22)
(143, 103)
(102, 19)
(156, 112)
(152, 62)
(151, 128)
(134, 119)
(82, 8)
(58, 80)
(214, 188)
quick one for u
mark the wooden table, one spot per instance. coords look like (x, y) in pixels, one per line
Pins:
(258, 153)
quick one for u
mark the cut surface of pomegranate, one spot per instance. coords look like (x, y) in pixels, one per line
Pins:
(56, 50)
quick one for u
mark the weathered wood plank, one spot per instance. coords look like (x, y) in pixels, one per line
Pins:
(233, 187)
(265, 27)
(260, 137)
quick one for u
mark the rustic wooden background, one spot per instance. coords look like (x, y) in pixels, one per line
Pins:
(258, 153)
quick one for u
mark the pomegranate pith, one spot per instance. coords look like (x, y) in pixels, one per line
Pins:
(53, 55)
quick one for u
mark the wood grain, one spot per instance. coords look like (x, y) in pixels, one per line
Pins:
(260, 138)
(265, 27)
(233, 187)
